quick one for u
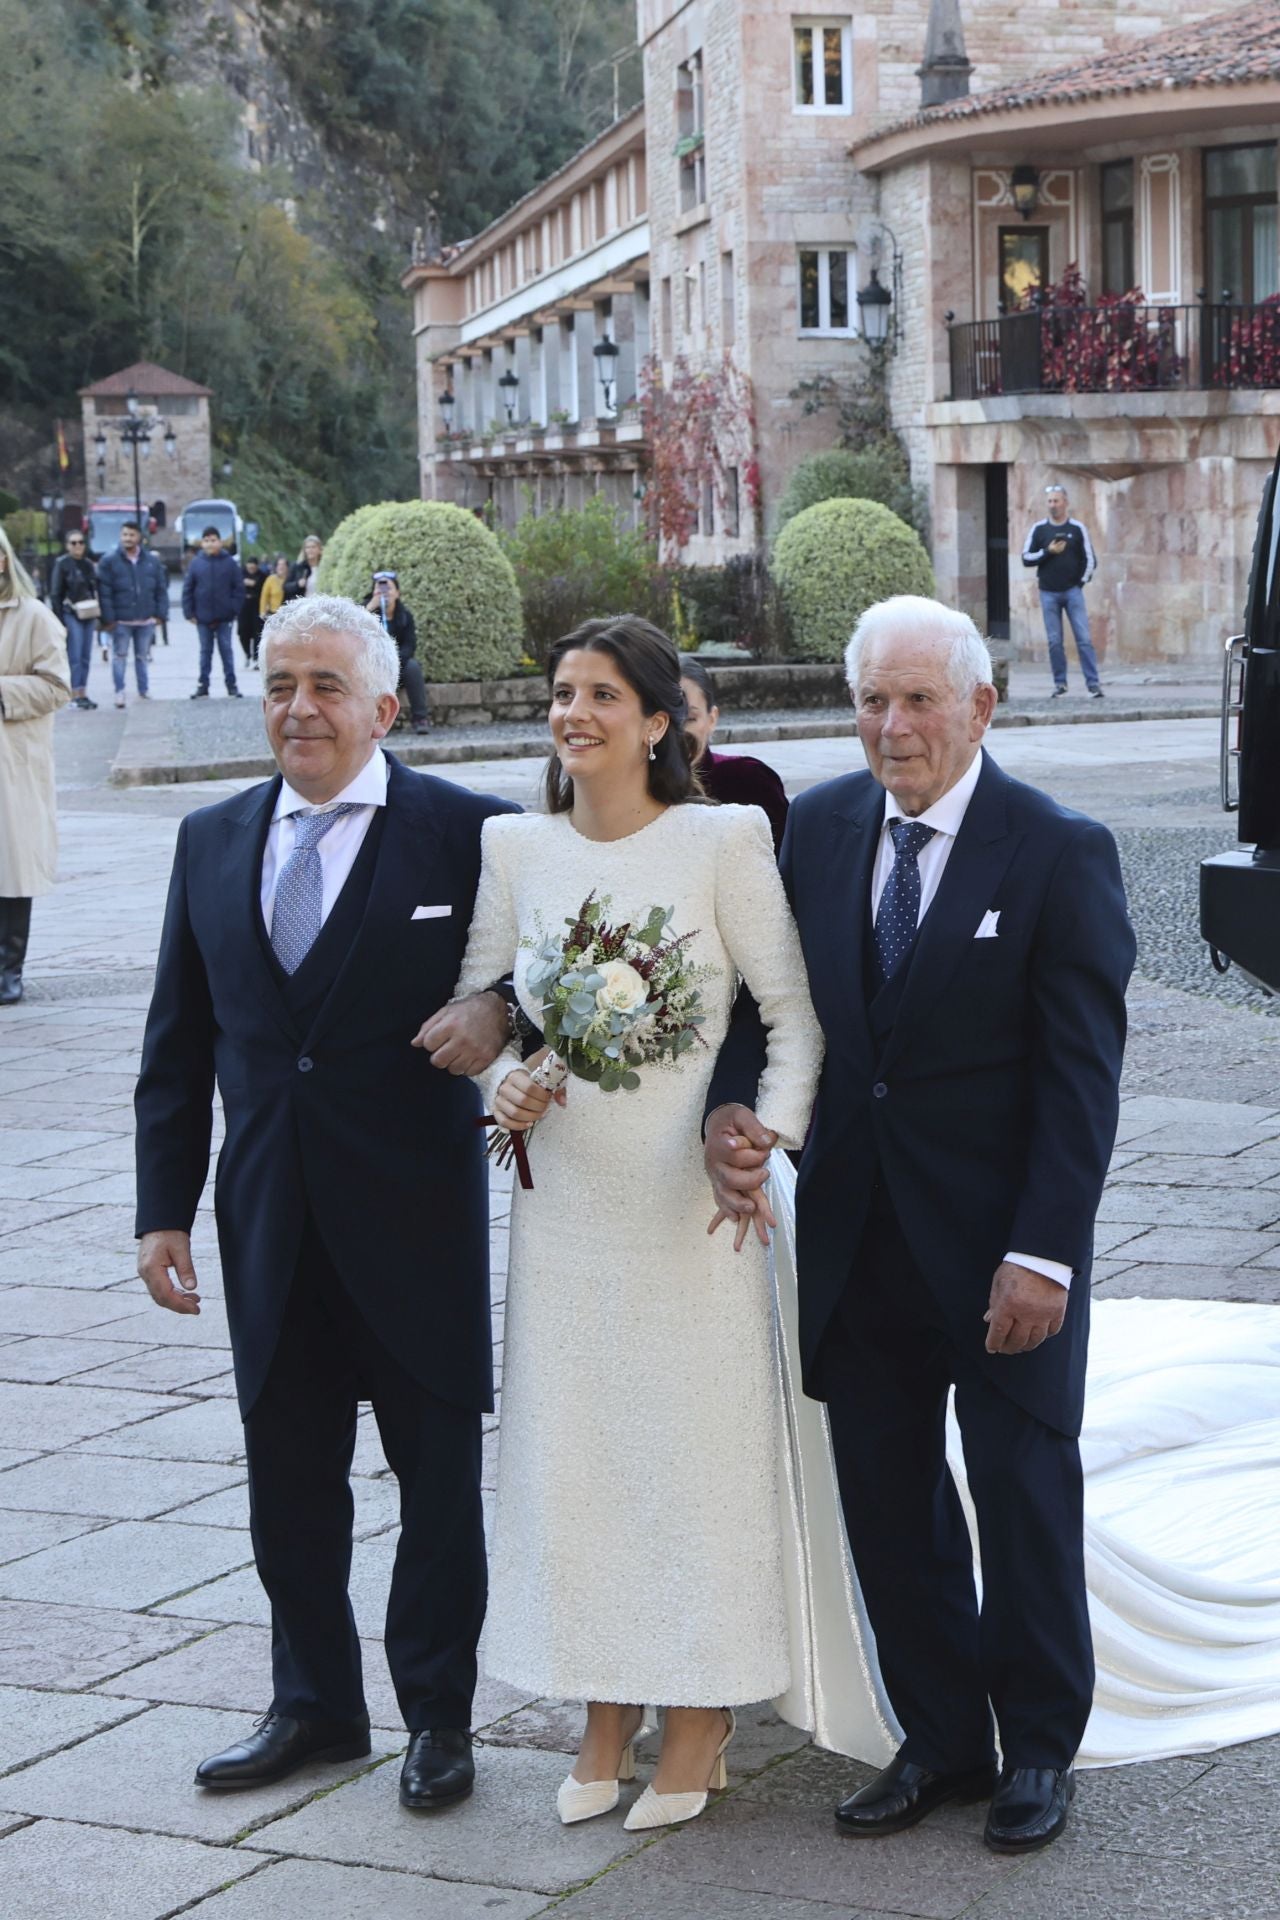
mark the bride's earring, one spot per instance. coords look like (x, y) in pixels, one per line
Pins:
(652, 754)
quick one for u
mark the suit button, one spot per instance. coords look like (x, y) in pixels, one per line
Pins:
(879, 1089)
(306, 1063)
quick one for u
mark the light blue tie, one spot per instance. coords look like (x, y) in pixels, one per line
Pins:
(295, 918)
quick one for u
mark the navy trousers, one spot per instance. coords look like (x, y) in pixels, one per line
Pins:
(886, 1365)
(300, 1436)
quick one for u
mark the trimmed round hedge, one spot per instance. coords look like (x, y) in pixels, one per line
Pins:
(454, 578)
(835, 560)
(877, 473)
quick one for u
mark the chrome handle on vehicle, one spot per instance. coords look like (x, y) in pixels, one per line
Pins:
(1233, 672)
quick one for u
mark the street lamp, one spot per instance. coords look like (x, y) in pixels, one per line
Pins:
(874, 302)
(1024, 189)
(509, 387)
(606, 353)
(446, 405)
(170, 442)
(880, 307)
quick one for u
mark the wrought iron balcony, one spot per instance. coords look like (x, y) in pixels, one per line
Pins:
(1116, 347)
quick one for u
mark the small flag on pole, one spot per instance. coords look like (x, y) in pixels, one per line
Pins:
(64, 458)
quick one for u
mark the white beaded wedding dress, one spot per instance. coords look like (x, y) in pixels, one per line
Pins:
(1181, 1453)
(637, 1536)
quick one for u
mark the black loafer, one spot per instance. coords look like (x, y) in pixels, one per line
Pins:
(278, 1746)
(438, 1769)
(1029, 1808)
(904, 1793)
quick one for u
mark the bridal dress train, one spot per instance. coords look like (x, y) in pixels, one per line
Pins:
(1181, 1453)
(636, 1535)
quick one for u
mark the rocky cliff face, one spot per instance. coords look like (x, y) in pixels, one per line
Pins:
(351, 188)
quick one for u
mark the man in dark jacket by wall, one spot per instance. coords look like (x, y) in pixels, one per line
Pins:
(133, 592)
(212, 596)
(1060, 548)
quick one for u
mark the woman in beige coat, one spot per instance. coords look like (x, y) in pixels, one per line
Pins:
(33, 685)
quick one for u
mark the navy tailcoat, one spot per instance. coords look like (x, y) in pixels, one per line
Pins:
(987, 1100)
(329, 1110)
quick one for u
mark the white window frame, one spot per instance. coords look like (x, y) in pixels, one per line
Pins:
(824, 329)
(814, 24)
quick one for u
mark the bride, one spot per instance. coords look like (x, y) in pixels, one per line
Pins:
(637, 1542)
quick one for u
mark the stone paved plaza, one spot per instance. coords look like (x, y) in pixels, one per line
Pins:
(133, 1636)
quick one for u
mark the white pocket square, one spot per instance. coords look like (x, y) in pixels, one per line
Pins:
(431, 913)
(989, 927)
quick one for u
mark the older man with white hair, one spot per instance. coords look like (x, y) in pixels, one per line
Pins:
(313, 924)
(968, 950)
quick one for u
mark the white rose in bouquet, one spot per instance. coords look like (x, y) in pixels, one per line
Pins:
(624, 989)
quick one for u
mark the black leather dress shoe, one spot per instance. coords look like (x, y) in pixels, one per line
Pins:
(905, 1793)
(1029, 1808)
(278, 1746)
(438, 1768)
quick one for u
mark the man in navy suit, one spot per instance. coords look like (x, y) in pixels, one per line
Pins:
(311, 924)
(968, 950)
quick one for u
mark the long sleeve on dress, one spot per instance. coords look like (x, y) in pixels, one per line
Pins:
(44, 684)
(756, 926)
(492, 940)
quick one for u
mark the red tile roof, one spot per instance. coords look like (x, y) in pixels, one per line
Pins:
(1230, 49)
(147, 380)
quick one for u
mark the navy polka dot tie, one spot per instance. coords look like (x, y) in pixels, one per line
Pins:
(899, 912)
(295, 917)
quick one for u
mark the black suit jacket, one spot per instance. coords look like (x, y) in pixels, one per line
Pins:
(989, 1105)
(345, 1120)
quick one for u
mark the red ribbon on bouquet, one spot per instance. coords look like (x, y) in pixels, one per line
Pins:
(505, 1147)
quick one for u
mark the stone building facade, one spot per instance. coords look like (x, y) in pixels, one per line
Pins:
(1152, 172)
(167, 401)
(772, 169)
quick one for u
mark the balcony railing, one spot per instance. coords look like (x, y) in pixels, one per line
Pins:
(1116, 348)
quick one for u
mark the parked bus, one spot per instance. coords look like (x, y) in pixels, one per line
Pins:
(200, 514)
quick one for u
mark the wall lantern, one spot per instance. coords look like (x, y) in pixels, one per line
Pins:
(1024, 186)
(170, 442)
(606, 353)
(874, 302)
(445, 405)
(509, 387)
(100, 442)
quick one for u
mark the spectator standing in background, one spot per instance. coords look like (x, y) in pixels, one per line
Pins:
(386, 603)
(271, 599)
(212, 596)
(249, 619)
(734, 779)
(1060, 548)
(133, 594)
(33, 685)
(302, 574)
(73, 599)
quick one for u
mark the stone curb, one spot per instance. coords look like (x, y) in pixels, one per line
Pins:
(142, 761)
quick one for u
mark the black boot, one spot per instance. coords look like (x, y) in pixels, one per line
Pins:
(15, 927)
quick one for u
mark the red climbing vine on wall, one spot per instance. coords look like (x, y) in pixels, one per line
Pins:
(700, 425)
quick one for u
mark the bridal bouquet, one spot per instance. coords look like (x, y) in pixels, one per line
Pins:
(613, 999)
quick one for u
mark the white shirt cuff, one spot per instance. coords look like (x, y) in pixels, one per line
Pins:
(1051, 1269)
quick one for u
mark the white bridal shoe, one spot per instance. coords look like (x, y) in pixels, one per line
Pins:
(669, 1809)
(584, 1799)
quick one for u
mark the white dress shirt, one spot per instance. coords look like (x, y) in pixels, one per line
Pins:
(338, 848)
(945, 816)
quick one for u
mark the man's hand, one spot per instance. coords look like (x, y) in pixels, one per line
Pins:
(1026, 1310)
(157, 1254)
(736, 1156)
(1057, 546)
(466, 1036)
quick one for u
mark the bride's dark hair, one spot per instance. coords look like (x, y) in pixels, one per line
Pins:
(650, 665)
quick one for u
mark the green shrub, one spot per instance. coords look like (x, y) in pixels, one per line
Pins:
(576, 564)
(835, 560)
(878, 471)
(454, 578)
